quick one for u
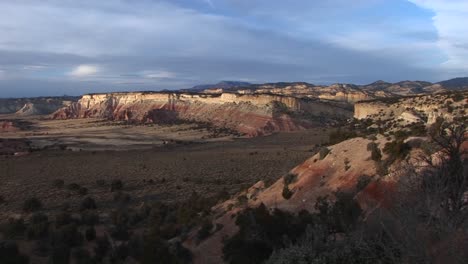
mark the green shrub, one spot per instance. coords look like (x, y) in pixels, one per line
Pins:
(289, 178)
(100, 183)
(83, 191)
(10, 254)
(205, 230)
(32, 204)
(58, 183)
(90, 233)
(88, 204)
(13, 228)
(323, 153)
(116, 185)
(38, 227)
(396, 150)
(287, 194)
(362, 182)
(73, 187)
(376, 154)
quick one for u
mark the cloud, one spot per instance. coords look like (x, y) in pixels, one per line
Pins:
(2, 74)
(159, 74)
(450, 19)
(84, 71)
(169, 44)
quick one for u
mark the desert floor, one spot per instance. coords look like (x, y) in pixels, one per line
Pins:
(155, 163)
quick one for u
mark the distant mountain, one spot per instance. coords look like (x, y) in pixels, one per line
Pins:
(455, 84)
(220, 85)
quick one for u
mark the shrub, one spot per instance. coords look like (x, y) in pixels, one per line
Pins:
(396, 149)
(73, 187)
(90, 233)
(362, 182)
(60, 254)
(67, 235)
(88, 204)
(287, 194)
(32, 204)
(289, 178)
(58, 183)
(323, 153)
(62, 218)
(376, 154)
(121, 197)
(13, 228)
(205, 230)
(100, 182)
(83, 191)
(10, 254)
(339, 136)
(89, 218)
(116, 185)
(38, 228)
(81, 256)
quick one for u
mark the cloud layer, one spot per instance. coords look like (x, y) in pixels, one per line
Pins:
(72, 47)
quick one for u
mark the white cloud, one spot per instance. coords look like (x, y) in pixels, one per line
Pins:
(34, 67)
(84, 70)
(450, 20)
(159, 74)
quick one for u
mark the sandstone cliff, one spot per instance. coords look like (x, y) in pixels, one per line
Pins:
(255, 114)
(34, 106)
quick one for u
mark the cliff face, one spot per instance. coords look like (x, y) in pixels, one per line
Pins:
(426, 108)
(34, 106)
(249, 114)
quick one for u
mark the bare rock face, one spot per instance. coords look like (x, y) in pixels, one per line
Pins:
(254, 115)
(34, 106)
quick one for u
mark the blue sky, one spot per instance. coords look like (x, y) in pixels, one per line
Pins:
(55, 47)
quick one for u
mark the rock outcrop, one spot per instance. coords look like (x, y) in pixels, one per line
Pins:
(424, 108)
(253, 115)
(34, 106)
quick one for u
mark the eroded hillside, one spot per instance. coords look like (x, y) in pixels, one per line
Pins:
(252, 115)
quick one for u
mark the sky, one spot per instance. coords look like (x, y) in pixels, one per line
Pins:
(58, 47)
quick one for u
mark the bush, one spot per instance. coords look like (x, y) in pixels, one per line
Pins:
(39, 226)
(67, 236)
(60, 254)
(13, 228)
(10, 254)
(89, 218)
(81, 256)
(121, 197)
(339, 136)
(73, 187)
(58, 183)
(100, 183)
(83, 191)
(88, 204)
(205, 230)
(289, 178)
(287, 194)
(32, 204)
(323, 153)
(396, 149)
(362, 182)
(116, 185)
(376, 154)
(90, 233)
